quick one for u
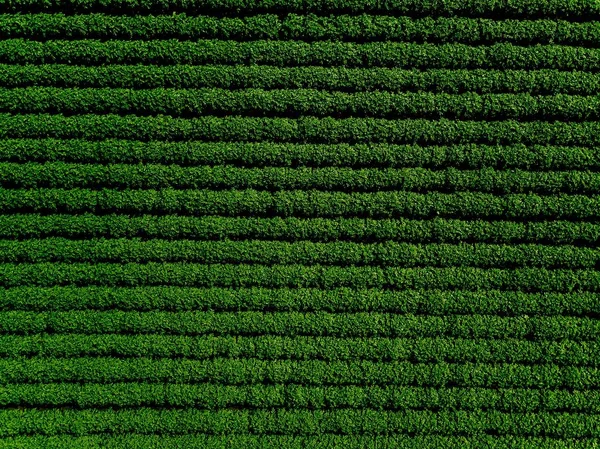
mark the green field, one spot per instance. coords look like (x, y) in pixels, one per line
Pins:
(299, 224)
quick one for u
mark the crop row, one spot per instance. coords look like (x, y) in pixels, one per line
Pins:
(308, 372)
(298, 397)
(300, 323)
(324, 441)
(156, 176)
(498, 349)
(302, 203)
(579, 9)
(420, 302)
(532, 158)
(298, 102)
(301, 130)
(316, 276)
(300, 252)
(561, 352)
(200, 441)
(325, 78)
(174, 227)
(296, 422)
(299, 27)
(297, 53)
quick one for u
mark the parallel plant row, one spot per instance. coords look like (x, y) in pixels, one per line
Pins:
(297, 53)
(296, 422)
(301, 252)
(200, 441)
(409, 301)
(298, 397)
(361, 28)
(173, 227)
(301, 203)
(578, 9)
(300, 130)
(268, 347)
(155, 176)
(298, 102)
(316, 276)
(40, 370)
(266, 154)
(544, 82)
(300, 323)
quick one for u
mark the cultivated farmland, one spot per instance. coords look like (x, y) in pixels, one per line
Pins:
(297, 224)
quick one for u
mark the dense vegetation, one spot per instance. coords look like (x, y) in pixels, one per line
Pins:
(297, 224)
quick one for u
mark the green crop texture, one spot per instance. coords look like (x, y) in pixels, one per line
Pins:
(299, 224)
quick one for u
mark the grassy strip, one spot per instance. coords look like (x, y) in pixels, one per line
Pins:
(158, 176)
(300, 323)
(298, 397)
(316, 276)
(326, 78)
(359, 28)
(563, 352)
(302, 252)
(313, 204)
(430, 302)
(174, 227)
(300, 130)
(258, 102)
(297, 53)
(313, 372)
(581, 9)
(297, 422)
(265, 154)
(137, 441)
